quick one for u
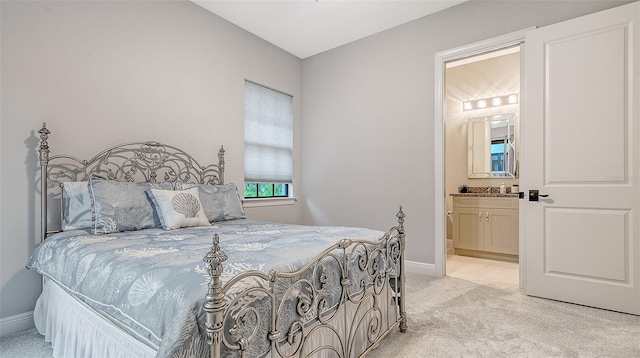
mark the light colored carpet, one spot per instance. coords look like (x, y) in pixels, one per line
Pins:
(25, 344)
(450, 317)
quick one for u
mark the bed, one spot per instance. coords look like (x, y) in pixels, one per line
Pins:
(157, 259)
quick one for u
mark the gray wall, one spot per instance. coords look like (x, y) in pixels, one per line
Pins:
(368, 110)
(101, 73)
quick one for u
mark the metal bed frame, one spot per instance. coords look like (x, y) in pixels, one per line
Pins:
(355, 324)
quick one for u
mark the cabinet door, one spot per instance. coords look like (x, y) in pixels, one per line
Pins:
(501, 231)
(467, 228)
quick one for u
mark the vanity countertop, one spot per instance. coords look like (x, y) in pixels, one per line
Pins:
(487, 195)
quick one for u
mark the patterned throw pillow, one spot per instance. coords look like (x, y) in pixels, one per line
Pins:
(122, 206)
(179, 208)
(221, 202)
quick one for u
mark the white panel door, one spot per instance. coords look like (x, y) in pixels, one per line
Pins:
(581, 147)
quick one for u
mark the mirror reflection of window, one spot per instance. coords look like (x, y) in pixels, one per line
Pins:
(497, 156)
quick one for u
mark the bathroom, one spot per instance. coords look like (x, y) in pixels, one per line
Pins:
(481, 160)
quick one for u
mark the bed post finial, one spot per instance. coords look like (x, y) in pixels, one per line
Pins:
(215, 303)
(221, 163)
(400, 215)
(44, 145)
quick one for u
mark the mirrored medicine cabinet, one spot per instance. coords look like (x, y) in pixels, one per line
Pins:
(491, 146)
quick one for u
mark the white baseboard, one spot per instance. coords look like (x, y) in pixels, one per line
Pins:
(420, 267)
(16, 323)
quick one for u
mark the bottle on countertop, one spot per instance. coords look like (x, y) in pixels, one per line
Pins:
(503, 189)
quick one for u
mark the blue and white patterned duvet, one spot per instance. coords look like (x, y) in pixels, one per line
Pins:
(154, 281)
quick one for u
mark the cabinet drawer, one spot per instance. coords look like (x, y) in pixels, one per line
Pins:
(485, 202)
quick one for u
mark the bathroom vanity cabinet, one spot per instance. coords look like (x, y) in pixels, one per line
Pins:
(486, 224)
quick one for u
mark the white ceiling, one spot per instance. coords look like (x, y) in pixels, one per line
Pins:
(308, 27)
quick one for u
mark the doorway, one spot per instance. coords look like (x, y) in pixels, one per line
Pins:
(481, 149)
(464, 55)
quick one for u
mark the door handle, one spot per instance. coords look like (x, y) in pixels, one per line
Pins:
(534, 194)
(487, 215)
(480, 216)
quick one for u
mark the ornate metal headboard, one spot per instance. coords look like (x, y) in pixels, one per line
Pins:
(133, 162)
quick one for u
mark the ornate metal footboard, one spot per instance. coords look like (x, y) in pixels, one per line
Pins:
(340, 304)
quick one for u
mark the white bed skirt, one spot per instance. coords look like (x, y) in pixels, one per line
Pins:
(76, 330)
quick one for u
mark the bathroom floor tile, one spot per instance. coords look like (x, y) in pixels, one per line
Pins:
(483, 270)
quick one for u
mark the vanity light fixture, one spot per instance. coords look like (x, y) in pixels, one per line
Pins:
(490, 102)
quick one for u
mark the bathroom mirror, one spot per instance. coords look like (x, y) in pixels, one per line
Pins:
(491, 146)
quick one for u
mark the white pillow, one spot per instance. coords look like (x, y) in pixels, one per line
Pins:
(179, 208)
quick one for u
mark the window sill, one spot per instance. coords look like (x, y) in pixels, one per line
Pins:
(254, 203)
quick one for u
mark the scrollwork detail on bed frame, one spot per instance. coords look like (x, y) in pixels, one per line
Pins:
(135, 161)
(297, 305)
(380, 267)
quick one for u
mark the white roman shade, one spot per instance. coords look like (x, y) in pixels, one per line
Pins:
(268, 143)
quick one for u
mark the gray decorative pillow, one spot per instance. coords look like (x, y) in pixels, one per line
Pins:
(178, 208)
(76, 210)
(122, 206)
(220, 202)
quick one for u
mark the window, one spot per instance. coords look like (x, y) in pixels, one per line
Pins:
(268, 143)
(266, 190)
